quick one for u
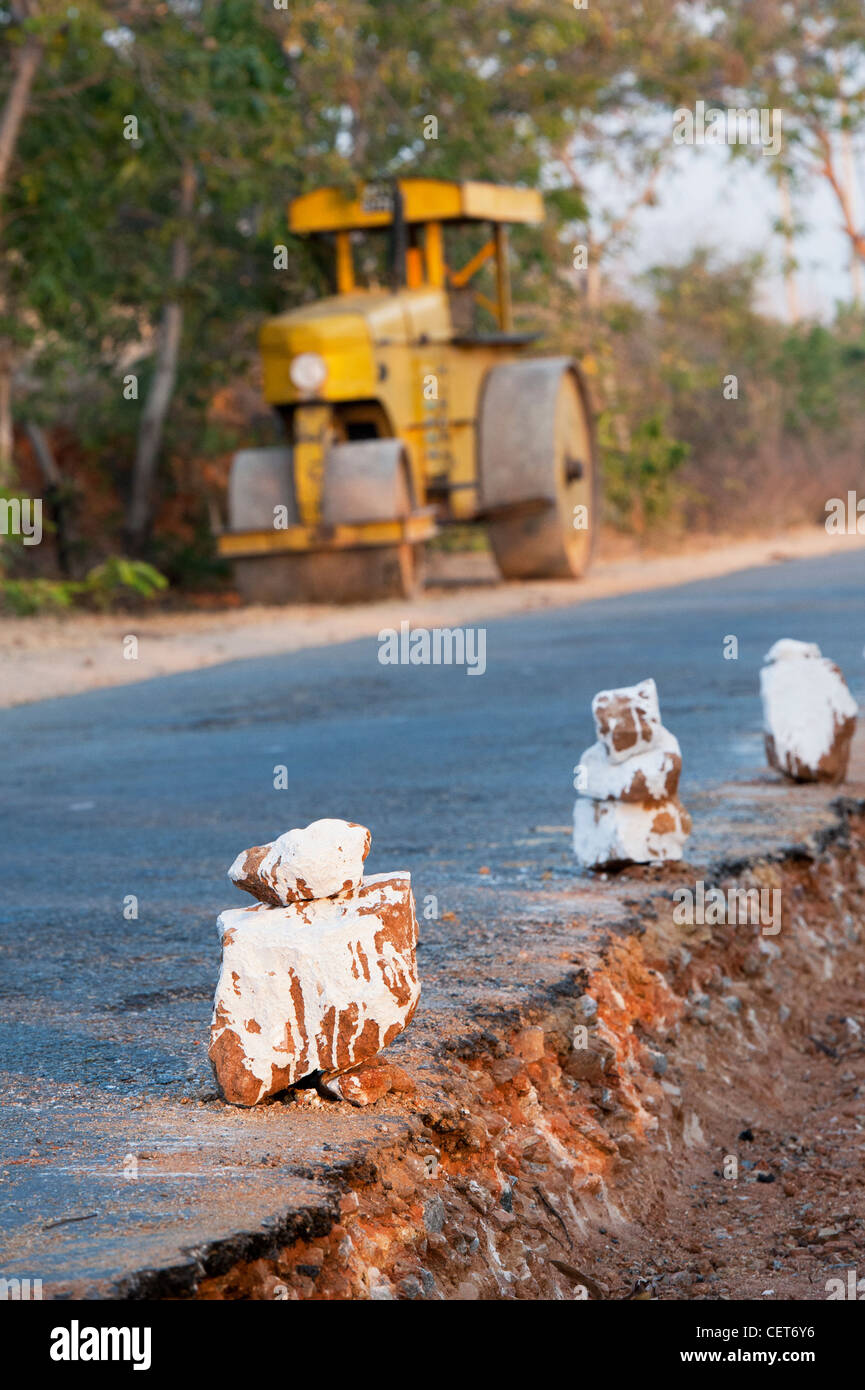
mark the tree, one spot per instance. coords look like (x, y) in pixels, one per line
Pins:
(214, 124)
(808, 62)
(26, 37)
(148, 193)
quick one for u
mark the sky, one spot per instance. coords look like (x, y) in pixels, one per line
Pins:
(706, 197)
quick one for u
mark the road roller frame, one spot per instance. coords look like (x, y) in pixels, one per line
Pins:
(401, 412)
(419, 527)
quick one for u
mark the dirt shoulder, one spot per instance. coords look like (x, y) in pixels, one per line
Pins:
(701, 1140)
(678, 1118)
(44, 657)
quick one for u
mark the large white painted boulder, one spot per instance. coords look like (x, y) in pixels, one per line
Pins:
(809, 715)
(313, 986)
(611, 833)
(325, 858)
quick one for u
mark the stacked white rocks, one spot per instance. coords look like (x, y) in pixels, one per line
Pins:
(628, 810)
(809, 714)
(321, 973)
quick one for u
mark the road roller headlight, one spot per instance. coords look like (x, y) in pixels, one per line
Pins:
(308, 372)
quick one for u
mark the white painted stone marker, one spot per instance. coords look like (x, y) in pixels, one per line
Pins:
(652, 776)
(627, 720)
(628, 810)
(316, 984)
(809, 715)
(620, 832)
(325, 858)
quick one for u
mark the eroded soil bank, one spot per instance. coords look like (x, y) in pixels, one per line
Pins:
(682, 1118)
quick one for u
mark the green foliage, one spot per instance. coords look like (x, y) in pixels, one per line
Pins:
(115, 579)
(641, 483)
(680, 447)
(91, 218)
(821, 372)
(105, 582)
(24, 597)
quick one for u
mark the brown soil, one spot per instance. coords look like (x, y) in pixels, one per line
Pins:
(703, 1140)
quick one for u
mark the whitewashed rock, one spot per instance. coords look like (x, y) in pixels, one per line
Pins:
(809, 715)
(649, 777)
(312, 986)
(324, 859)
(628, 720)
(787, 648)
(628, 810)
(621, 832)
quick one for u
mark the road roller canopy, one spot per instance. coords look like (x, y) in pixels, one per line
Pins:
(414, 213)
(422, 200)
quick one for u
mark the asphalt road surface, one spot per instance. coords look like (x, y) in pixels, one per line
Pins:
(149, 791)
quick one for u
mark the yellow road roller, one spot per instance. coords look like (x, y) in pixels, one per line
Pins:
(408, 402)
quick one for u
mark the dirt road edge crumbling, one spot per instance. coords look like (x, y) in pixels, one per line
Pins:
(679, 1087)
